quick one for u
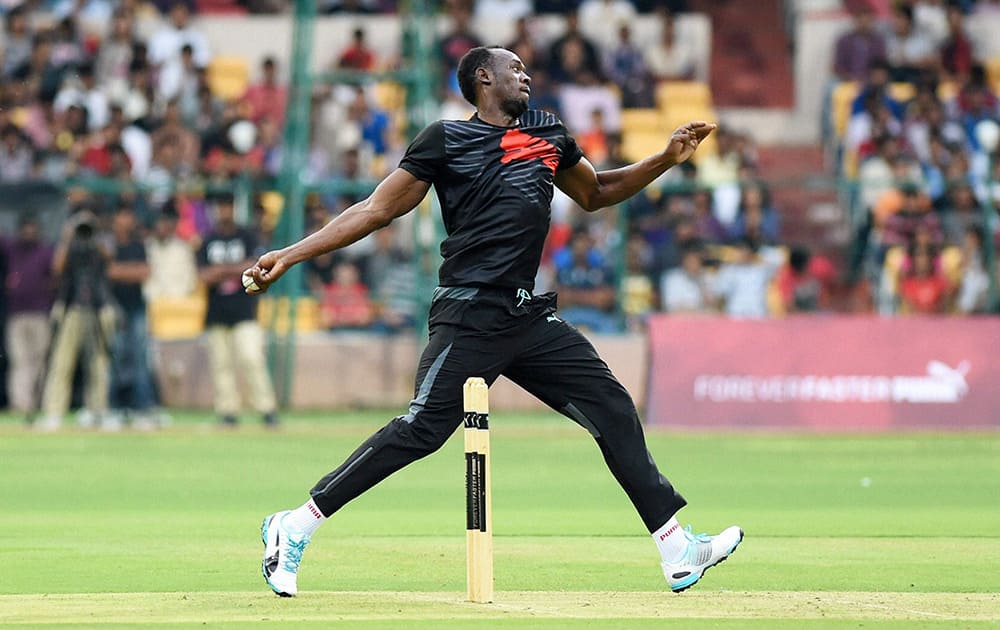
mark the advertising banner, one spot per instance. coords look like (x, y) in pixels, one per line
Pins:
(825, 373)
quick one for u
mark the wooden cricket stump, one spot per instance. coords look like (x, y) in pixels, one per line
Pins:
(478, 508)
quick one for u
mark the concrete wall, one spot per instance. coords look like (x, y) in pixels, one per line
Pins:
(350, 370)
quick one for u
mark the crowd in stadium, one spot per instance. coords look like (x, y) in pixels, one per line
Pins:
(134, 103)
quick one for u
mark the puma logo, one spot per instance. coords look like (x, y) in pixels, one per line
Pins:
(518, 145)
(553, 318)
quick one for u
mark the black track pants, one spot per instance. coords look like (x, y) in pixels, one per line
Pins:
(525, 341)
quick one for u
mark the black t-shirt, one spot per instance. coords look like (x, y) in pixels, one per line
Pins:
(228, 303)
(495, 186)
(128, 296)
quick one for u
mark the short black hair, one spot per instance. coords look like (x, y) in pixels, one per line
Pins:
(478, 57)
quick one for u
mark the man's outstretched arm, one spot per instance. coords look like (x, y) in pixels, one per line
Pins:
(398, 193)
(594, 190)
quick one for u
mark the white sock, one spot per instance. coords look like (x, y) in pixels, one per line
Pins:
(671, 540)
(304, 520)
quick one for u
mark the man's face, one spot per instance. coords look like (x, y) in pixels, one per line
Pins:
(179, 16)
(511, 82)
(28, 232)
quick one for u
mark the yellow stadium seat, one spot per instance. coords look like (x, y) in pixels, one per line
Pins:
(840, 106)
(902, 92)
(952, 264)
(177, 318)
(228, 77)
(947, 90)
(390, 96)
(689, 93)
(642, 120)
(276, 310)
(637, 145)
(678, 115)
(992, 66)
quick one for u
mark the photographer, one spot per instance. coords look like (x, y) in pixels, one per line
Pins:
(83, 317)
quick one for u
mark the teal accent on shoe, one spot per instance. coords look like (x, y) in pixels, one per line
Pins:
(688, 581)
(294, 555)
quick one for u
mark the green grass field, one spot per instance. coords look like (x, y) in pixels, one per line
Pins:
(842, 531)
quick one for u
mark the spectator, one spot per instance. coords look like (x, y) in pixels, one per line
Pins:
(66, 45)
(960, 212)
(357, 56)
(911, 220)
(166, 43)
(525, 46)
(179, 79)
(372, 121)
(670, 58)
(28, 292)
(344, 302)
(460, 38)
(84, 319)
(757, 219)
(974, 285)
(741, 285)
(268, 98)
(638, 290)
(931, 18)
(132, 392)
(17, 41)
(956, 52)
(858, 48)
(601, 19)
(572, 53)
(586, 286)
(876, 87)
(976, 102)
(115, 55)
(912, 54)
(85, 92)
(594, 141)
(390, 274)
(231, 318)
(172, 129)
(41, 77)
(173, 271)
(686, 288)
(625, 66)
(802, 283)
(924, 290)
(17, 160)
(707, 224)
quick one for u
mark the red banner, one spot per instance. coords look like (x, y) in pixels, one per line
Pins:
(825, 373)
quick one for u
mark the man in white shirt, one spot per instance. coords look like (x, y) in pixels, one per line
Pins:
(167, 42)
(173, 271)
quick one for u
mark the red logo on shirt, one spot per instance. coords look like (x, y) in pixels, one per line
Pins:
(518, 145)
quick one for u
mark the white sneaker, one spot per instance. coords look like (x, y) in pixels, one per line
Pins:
(111, 422)
(702, 552)
(47, 424)
(144, 422)
(282, 554)
(86, 419)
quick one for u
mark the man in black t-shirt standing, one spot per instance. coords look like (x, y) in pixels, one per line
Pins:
(494, 176)
(231, 318)
(131, 377)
